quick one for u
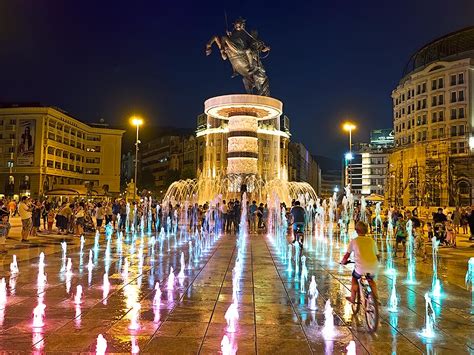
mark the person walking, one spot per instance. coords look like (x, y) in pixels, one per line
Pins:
(24, 210)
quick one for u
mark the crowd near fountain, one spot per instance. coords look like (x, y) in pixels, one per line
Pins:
(127, 255)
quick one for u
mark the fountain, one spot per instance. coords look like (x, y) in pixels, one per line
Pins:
(101, 346)
(328, 329)
(41, 279)
(231, 317)
(14, 266)
(90, 264)
(105, 288)
(470, 280)
(171, 277)
(83, 241)
(183, 266)
(135, 316)
(410, 252)
(304, 274)
(226, 346)
(157, 298)
(435, 284)
(3, 293)
(69, 267)
(77, 298)
(135, 349)
(393, 301)
(290, 249)
(312, 294)
(125, 269)
(430, 319)
(38, 315)
(351, 348)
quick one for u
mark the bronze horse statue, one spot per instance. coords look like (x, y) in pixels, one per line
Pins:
(243, 51)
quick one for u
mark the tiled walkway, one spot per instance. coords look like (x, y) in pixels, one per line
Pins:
(274, 318)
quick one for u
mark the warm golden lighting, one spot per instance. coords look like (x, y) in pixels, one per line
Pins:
(136, 121)
(348, 126)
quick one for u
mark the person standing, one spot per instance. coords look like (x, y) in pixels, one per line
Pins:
(252, 210)
(4, 230)
(24, 210)
(100, 215)
(470, 220)
(36, 218)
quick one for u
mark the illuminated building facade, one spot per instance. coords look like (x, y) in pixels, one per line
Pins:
(46, 152)
(432, 162)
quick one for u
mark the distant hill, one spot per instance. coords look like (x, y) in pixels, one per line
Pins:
(326, 163)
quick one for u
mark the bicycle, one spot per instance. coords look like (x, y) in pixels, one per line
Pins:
(370, 304)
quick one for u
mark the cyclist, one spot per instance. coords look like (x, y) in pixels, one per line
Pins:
(298, 216)
(366, 258)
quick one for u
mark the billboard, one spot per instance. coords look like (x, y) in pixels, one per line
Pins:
(382, 137)
(25, 151)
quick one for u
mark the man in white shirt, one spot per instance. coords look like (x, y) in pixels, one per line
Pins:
(24, 211)
(366, 257)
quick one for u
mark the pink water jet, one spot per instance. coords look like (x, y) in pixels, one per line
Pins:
(134, 317)
(3, 293)
(231, 317)
(171, 277)
(38, 315)
(77, 298)
(105, 288)
(14, 266)
(101, 346)
(157, 298)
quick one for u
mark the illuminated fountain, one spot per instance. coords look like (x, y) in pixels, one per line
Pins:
(470, 280)
(430, 319)
(410, 252)
(78, 296)
(38, 315)
(328, 330)
(135, 317)
(312, 294)
(157, 298)
(351, 348)
(101, 346)
(248, 128)
(171, 280)
(105, 288)
(14, 266)
(183, 266)
(393, 301)
(3, 293)
(231, 317)
(226, 346)
(435, 284)
(304, 274)
(135, 349)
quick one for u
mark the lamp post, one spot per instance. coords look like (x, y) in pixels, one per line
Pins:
(136, 121)
(348, 127)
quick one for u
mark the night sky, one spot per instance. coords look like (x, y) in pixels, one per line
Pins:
(329, 61)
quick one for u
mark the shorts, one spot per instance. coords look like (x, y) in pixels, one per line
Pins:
(298, 227)
(357, 276)
(99, 222)
(26, 224)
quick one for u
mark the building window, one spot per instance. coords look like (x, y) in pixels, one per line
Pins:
(423, 88)
(440, 83)
(453, 80)
(461, 78)
(461, 147)
(434, 101)
(11, 149)
(433, 84)
(49, 164)
(441, 132)
(453, 96)
(454, 149)
(461, 130)
(461, 95)
(453, 113)
(434, 134)
(440, 116)
(441, 100)
(461, 112)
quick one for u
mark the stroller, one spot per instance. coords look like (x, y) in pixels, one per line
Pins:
(89, 226)
(440, 232)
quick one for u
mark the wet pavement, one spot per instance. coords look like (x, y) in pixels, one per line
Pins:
(273, 313)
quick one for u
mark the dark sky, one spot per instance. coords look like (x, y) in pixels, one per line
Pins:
(330, 60)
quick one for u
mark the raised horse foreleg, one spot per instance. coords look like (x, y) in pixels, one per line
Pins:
(217, 41)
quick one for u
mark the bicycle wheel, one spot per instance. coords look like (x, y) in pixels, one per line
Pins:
(371, 313)
(356, 305)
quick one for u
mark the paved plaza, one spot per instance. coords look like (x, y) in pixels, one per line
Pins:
(273, 313)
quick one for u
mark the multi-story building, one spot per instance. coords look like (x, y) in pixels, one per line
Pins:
(432, 162)
(369, 163)
(169, 157)
(303, 167)
(44, 151)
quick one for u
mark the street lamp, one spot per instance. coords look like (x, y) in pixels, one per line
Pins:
(136, 121)
(349, 127)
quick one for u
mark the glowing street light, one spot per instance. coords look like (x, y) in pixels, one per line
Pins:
(136, 121)
(349, 127)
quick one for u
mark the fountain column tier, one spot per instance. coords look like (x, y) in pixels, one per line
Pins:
(243, 113)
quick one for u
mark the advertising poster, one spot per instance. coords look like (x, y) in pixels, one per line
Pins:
(26, 143)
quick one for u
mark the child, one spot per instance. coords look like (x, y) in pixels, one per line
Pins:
(430, 230)
(420, 247)
(450, 234)
(50, 218)
(4, 230)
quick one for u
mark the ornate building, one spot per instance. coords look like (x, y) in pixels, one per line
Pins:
(46, 152)
(432, 163)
